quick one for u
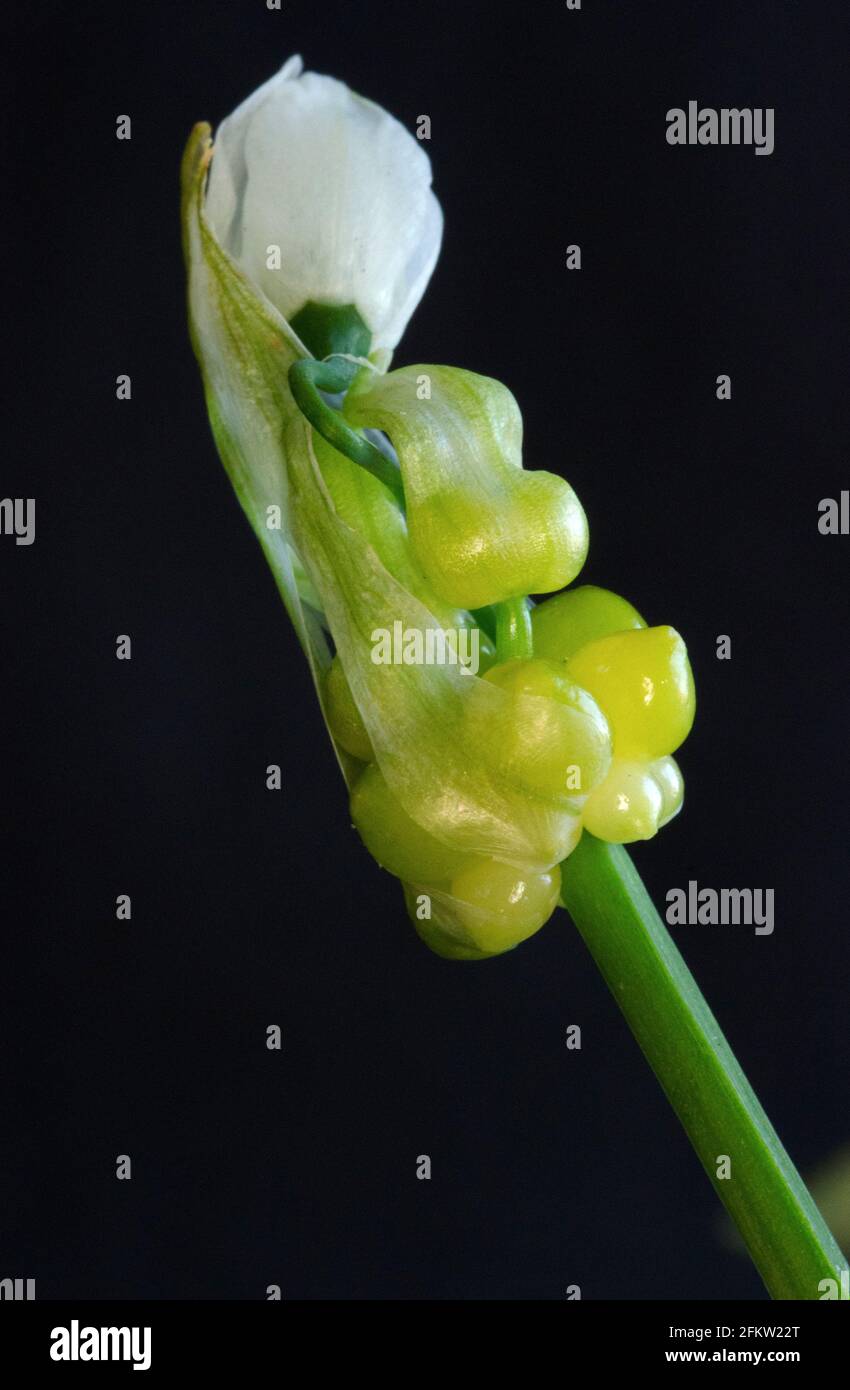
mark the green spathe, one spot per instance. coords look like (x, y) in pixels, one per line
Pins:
(244, 349)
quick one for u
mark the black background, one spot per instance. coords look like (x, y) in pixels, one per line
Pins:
(147, 777)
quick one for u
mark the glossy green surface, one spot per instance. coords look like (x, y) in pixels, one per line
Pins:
(565, 622)
(642, 680)
(500, 905)
(398, 843)
(555, 739)
(344, 718)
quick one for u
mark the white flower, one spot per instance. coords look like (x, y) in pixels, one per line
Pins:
(339, 186)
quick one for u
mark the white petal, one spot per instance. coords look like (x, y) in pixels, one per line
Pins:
(339, 186)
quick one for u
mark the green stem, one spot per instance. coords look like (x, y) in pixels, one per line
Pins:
(307, 378)
(513, 629)
(784, 1232)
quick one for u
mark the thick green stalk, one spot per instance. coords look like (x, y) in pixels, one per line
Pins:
(784, 1232)
(513, 629)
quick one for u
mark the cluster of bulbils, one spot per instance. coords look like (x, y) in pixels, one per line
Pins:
(588, 722)
(310, 232)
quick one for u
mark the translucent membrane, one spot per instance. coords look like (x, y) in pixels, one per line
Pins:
(437, 761)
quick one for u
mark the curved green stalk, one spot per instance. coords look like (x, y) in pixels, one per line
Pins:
(764, 1194)
(308, 377)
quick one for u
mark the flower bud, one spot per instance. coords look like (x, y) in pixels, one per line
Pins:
(320, 195)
